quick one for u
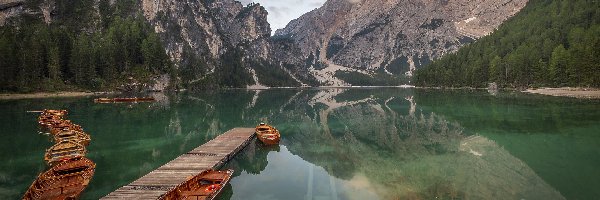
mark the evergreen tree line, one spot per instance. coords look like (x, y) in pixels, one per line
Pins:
(549, 43)
(65, 55)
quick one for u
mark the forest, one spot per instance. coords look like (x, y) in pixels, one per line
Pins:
(77, 51)
(550, 43)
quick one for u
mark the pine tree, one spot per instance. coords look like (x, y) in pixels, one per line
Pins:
(82, 64)
(558, 66)
(548, 43)
(9, 64)
(496, 70)
(154, 54)
(54, 63)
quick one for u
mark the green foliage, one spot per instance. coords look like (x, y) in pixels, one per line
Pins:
(549, 43)
(247, 10)
(319, 65)
(74, 14)
(41, 57)
(233, 72)
(194, 71)
(397, 66)
(273, 75)
(335, 45)
(378, 79)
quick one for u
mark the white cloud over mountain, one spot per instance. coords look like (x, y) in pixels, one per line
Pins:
(281, 12)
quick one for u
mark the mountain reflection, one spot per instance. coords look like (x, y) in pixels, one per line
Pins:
(378, 141)
(336, 144)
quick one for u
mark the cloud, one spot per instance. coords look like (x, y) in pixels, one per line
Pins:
(245, 2)
(281, 12)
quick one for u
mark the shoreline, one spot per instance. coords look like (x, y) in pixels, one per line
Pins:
(572, 92)
(39, 95)
(580, 93)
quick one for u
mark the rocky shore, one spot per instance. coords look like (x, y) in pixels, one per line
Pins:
(581, 93)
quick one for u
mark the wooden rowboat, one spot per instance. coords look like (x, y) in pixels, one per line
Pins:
(56, 126)
(72, 135)
(59, 113)
(124, 100)
(50, 121)
(64, 150)
(65, 180)
(51, 115)
(65, 126)
(204, 186)
(267, 134)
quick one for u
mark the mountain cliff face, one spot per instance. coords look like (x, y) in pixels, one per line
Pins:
(222, 43)
(211, 31)
(208, 28)
(391, 36)
(212, 43)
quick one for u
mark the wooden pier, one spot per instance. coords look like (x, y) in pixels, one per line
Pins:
(213, 154)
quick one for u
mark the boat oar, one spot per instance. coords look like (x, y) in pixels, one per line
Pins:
(34, 111)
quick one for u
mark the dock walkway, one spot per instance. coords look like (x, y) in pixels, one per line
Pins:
(213, 154)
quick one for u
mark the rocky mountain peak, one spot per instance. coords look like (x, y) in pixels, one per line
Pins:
(206, 27)
(210, 38)
(392, 36)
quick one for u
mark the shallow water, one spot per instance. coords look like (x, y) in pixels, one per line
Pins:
(376, 143)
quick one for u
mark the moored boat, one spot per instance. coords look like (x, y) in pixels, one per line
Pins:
(123, 100)
(66, 125)
(204, 186)
(65, 180)
(267, 134)
(59, 113)
(56, 126)
(64, 150)
(72, 135)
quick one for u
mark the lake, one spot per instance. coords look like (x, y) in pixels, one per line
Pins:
(373, 143)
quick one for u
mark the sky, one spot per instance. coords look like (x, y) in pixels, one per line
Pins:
(281, 12)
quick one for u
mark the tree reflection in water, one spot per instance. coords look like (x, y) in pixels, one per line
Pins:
(378, 141)
(336, 144)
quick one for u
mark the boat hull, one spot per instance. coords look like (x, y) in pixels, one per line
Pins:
(267, 134)
(206, 186)
(64, 150)
(65, 180)
(124, 100)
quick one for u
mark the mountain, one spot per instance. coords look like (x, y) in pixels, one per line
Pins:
(76, 45)
(105, 44)
(209, 44)
(390, 36)
(216, 41)
(550, 43)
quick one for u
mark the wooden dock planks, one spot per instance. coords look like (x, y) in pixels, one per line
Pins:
(213, 154)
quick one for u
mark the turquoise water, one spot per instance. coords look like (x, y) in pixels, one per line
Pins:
(378, 143)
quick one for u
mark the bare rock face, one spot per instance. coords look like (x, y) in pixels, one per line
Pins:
(393, 36)
(10, 8)
(365, 36)
(14, 8)
(208, 28)
(195, 33)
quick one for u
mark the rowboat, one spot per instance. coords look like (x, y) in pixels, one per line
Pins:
(267, 134)
(51, 114)
(124, 100)
(64, 150)
(65, 180)
(54, 112)
(56, 126)
(49, 120)
(204, 186)
(72, 135)
(66, 125)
